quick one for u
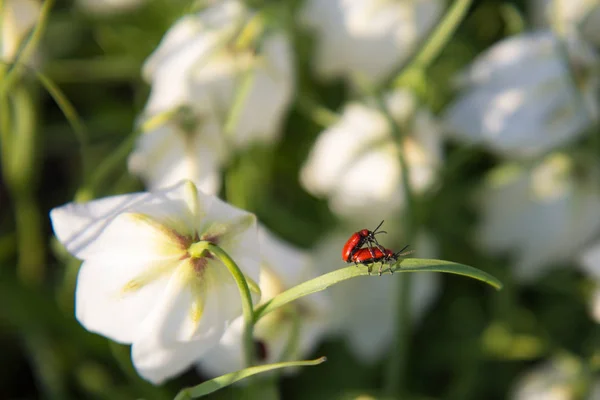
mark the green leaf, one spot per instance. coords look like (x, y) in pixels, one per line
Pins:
(225, 380)
(406, 265)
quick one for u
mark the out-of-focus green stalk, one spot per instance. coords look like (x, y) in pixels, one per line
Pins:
(48, 367)
(395, 383)
(435, 42)
(20, 173)
(113, 161)
(19, 143)
(442, 34)
(320, 115)
(72, 117)
(31, 246)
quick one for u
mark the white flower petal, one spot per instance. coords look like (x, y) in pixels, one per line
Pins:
(527, 95)
(19, 17)
(542, 215)
(590, 261)
(355, 162)
(553, 380)
(366, 38)
(113, 298)
(167, 155)
(201, 63)
(106, 7)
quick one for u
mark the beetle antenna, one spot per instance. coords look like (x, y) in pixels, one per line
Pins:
(403, 253)
(379, 226)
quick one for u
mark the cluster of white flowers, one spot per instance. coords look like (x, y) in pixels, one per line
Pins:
(227, 77)
(364, 39)
(355, 163)
(527, 99)
(530, 100)
(235, 78)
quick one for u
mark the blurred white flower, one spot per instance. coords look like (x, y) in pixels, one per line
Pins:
(365, 310)
(105, 7)
(590, 263)
(563, 15)
(187, 147)
(566, 16)
(19, 17)
(553, 380)
(527, 95)
(224, 61)
(355, 162)
(138, 282)
(542, 216)
(367, 38)
(305, 320)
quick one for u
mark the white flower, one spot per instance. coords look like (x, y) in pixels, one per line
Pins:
(109, 6)
(541, 216)
(217, 57)
(590, 263)
(19, 17)
(567, 16)
(355, 162)
(138, 283)
(365, 311)
(527, 95)
(187, 147)
(283, 266)
(217, 63)
(367, 38)
(553, 380)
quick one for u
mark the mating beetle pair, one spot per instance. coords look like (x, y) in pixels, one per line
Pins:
(353, 250)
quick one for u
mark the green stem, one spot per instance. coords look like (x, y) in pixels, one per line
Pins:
(20, 173)
(319, 114)
(65, 106)
(222, 381)
(113, 162)
(30, 239)
(435, 41)
(442, 34)
(196, 250)
(395, 384)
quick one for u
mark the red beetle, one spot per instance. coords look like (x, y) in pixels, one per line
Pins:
(358, 239)
(370, 256)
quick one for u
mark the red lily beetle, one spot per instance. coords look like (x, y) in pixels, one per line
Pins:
(369, 256)
(358, 239)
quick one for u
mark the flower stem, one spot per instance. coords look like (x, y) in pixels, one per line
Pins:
(113, 162)
(20, 169)
(434, 43)
(196, 250)
(395, 383)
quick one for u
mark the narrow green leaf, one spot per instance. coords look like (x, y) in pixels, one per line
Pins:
(225, 380)
(407, 265)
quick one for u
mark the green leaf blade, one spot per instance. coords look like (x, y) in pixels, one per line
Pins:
(225, 380)
(406, 265)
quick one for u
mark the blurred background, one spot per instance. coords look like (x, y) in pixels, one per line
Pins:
(470, 127)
